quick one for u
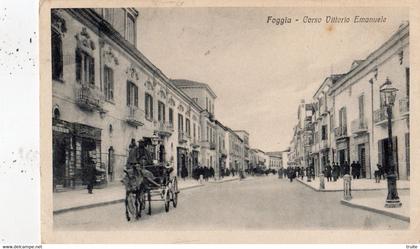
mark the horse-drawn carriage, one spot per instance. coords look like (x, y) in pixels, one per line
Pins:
(147, 181)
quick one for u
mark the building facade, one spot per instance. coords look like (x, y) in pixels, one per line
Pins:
(244, 135)
(349, 120)
(106, 93)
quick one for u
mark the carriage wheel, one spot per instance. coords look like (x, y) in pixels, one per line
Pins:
(174, 193)
(130, 205)
(167, 199)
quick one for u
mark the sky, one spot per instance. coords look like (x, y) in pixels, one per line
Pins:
(260, 71)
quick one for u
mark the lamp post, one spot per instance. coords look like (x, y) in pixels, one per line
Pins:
(388, 94)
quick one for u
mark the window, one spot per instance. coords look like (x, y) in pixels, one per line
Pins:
(187, 127)
(130, 32)
(171, 116)
(57, 56)
(132, 94)
(180, 123)
(109, 83)
(208, 133)
(361, 107)
(148, 103)
(342, 117)
(85, 68)
(161, 112)
(324, 134)
(194, 134)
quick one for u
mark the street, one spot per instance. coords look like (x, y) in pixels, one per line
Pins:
(253, 204)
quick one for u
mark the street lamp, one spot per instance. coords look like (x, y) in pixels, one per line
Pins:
(388, 94)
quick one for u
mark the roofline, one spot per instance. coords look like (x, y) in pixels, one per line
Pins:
(89, 15)
(398, 35)
(205, 85)
(242, 131)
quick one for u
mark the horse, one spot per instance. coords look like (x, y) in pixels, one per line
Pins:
(135, 191)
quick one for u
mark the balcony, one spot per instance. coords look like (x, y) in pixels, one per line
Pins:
(359, 126)
(212, 146)
(323, 111)
(170, 126)
(323, 145)
(380, 116)
(89, 98)
(404, 106)
(223, 151)
(340, 132)
(182, 137)
(135, 116)
(163, 129)
(195, 144)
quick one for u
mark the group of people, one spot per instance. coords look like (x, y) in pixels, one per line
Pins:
(335, 171)
(206, 172)
(293, 172)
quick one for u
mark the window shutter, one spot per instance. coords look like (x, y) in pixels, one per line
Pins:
(111, 85)
(136, 96)
(92, 71)
(78, 65)
(151, 107)
(128, 93)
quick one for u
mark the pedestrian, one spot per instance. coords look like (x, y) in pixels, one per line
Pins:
(184, 172)
(346, 168)
(90, 174)
(378, 173)
(353, 169)
(212, 173)
(335, 171)
(328, 172)
(133, 154)
(291, 173)
(358, 169)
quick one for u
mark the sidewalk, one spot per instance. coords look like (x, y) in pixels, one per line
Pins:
(356, 185)
(113, 193)
(377, 204)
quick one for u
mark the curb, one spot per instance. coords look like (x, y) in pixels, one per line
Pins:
(378, 211)
(229, 180)
(105, 203)
(340, 190)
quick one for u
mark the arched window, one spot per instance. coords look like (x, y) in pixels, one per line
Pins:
(56, 113)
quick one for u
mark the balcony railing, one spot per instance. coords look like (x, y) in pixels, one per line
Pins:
(404, 106)
(359, 126)
(162, 128)
(380, 116)
(212, 145)
(88, 97)
(135, 116)
(182, 137)
(340, 132)
(170, 127)
(195, 143)
(324, 144)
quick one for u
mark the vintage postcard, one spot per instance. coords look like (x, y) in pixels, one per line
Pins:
(234, 122)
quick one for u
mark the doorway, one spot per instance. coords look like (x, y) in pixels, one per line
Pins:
(362, 159)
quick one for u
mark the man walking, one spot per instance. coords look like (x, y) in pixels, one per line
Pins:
(328, 171)
(90, 175)
(353, 169)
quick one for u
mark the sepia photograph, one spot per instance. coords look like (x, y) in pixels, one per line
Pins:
(224, 118)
